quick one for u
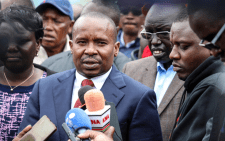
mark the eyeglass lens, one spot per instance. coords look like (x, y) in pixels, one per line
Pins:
(148, 36)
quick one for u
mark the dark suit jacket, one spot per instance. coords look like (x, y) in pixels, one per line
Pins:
(64, 61)
(135, 105)
(145, 70)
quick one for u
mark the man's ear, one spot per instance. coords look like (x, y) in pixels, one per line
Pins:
(38, 45)
(71, 44)
(117, 48)
(71, 27)
(215, 52)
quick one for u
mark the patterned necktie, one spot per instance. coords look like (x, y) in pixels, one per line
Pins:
(85, 82)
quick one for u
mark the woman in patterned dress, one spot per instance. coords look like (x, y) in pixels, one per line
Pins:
(21, 31)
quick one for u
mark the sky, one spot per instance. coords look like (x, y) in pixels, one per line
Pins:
(82, 2)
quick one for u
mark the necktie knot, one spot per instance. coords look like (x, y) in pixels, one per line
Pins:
(86, 82)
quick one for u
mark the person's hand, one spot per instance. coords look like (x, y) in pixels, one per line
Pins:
(98, 136)
(22, 133)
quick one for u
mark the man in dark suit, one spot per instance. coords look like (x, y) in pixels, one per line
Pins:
(149, 71)
(94, 47)
(110, 9)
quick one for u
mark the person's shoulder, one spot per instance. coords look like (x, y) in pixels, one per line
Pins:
(214, 81)
(122, 56)
(142, 62)
(56, 76)
(139, 65)
(133, 84)
(55, 58)
(45, 69)
(218, 80)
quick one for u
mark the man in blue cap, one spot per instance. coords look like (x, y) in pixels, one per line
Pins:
(58, 22)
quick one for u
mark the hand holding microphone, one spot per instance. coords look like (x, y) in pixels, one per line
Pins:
(98, 136)
(99, 101)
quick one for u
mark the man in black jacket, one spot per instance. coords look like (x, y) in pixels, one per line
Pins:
(201, 73)
(207, 21)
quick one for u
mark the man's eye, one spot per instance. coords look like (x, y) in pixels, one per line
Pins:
(57, 21)
(21, 42)
(81, 42)
(102, 43)
(184, 47)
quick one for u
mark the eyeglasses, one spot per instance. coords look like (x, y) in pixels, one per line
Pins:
(212, 44)
(161, 35)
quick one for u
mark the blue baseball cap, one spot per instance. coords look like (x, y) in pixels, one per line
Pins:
(62, 5)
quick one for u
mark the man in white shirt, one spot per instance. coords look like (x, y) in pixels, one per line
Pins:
(94, 47)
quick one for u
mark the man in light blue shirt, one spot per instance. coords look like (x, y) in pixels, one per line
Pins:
(156, 71)
(163, 79)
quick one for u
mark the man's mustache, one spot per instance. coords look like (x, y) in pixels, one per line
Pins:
(91, 58)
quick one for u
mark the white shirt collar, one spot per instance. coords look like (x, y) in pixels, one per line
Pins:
(98, 81)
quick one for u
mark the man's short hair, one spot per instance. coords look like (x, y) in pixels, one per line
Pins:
(7, 3)
(98, 15)
(77, 9)
(24, 15)
(215, 9)
(106, 6)
(182, 16)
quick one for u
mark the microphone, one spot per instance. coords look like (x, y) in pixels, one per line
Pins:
(81, 93)
(113, 114)
(98, 112)
(77, 122)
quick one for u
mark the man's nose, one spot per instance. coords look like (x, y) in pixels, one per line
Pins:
(155, 40)
(91, 49)
(12, 47)
(174, 54)
(47, 24)
(130, 16)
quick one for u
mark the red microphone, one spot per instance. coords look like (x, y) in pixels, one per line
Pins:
(98, 112)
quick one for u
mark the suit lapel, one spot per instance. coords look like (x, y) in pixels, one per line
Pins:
(171, 92)
(150, 73)
(112, 85)
(62, 94)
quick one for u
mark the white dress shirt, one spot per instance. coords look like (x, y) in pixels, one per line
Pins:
(98, 82)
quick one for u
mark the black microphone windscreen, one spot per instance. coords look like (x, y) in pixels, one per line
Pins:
(82, 91)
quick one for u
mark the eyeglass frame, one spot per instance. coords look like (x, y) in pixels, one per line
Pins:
(212, 44)
(143, 31)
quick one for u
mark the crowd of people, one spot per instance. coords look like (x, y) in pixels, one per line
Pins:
(160, 62)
